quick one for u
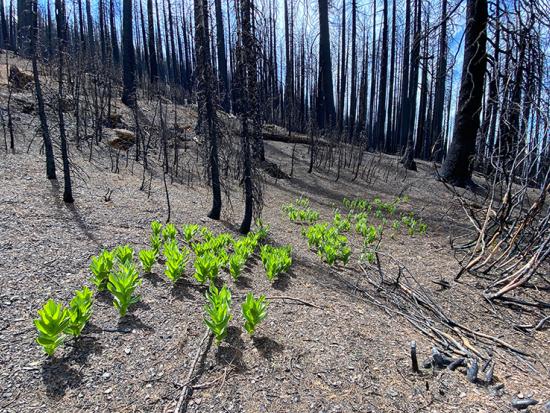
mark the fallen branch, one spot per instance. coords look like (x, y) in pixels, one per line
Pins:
(294, 299)
(187, 389)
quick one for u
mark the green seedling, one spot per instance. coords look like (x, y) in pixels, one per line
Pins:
(169, 232)
(236, 265)
(176, 260)
(254, 312)
(101, 266)
(206, 268)
(52, 322)
(123, 255)
(218, 311)
(80, 311)
(147, 259)
(123, 284)
(189, 231)
(275, 260)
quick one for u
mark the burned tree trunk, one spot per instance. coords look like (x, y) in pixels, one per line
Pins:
(326, 113)
(207, 124)
(222, 60)
(128, 56)
(457, 168)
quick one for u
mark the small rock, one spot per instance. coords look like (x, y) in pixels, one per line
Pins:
(108, 391)
(522, 404)
(106, 375)
(127, 350)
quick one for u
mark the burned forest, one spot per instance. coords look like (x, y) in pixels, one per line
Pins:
(275, 206)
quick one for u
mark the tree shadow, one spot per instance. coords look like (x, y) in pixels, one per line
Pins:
(230, 353)
(104, 296)
(267, 347)
(58, 377)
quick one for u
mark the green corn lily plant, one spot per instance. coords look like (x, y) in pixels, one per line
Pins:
(206, 268)
(80, 311)
(189, 231)
(275, 260)
(123, 254)
(52, 322)
(169, 232)
(101, 267)
(123, 284)
(156, 227)
(218, 311)
(236, 265)
(147, 259)
(176, 261)
(254, 312)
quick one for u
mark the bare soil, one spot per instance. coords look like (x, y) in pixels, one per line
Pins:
(343, 355)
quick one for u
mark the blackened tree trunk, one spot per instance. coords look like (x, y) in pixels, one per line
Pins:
(343, 70)
(90, 24)
(207, 124)
(48, 147)
(114, 40)
(388, 143)
(457, 168)
(326, 113)
(102, 29)
(371, 136)
(62, 41)
(222, 60)
(404, 105)
(24, 22)
(128, 56)
(408, 157)
(421, 129)
(441, 75)
(353, 85)
(381, 118)
(4, 24)
(153, 66)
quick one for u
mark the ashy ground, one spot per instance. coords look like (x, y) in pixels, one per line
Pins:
(328, 349)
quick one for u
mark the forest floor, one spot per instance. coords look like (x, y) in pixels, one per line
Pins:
(344, 354)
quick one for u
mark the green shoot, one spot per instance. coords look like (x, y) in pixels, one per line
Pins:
(54, 319)
(217, 309)
(101, 266)
(147, 259)
(176, 260)
(169, 232)
(189, 232)
(206, 267)
(275, 260)
(254, 312)
(122, 284)
(123, 255)
(236, 265)
(80, 311)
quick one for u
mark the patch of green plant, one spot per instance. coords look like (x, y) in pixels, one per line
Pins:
(275, 260)
(52, 322)
(176, 260)
(156, 228)
(236, 265)
(413, 225)
(169, 233)
(207, 267)
(206, 234)
(147, 259)
(101, 267)
(80, 311)
(262, 231)
(300, 212)
(254, 312)
(218, 311)
(341, 223)
(189, 231)
(331, 246)
(123, 255)
(122, 285)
